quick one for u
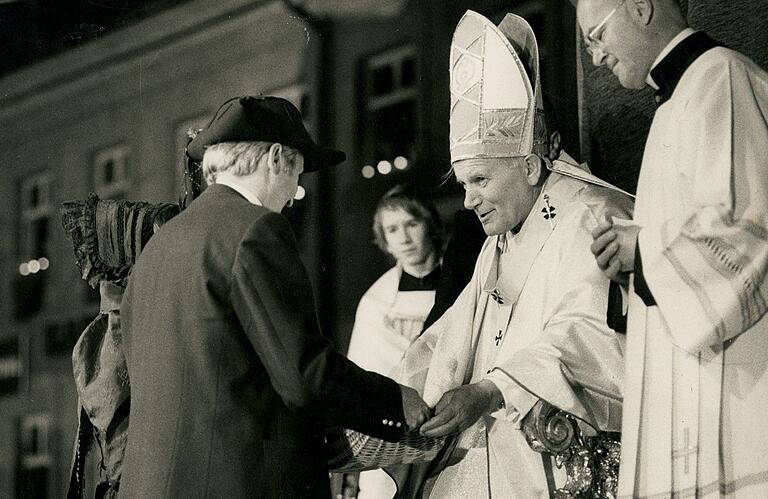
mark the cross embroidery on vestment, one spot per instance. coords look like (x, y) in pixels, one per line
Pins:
(686, 451)
(548, 210)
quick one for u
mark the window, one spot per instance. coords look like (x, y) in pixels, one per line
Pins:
(110, 172)
(10, 366)
(35, 212)
(61, 336)
(390, 99)
(35, 437)
(36, 208)
(35, 456)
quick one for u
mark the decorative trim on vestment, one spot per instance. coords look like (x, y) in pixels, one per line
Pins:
(723, 489)
(725, 263)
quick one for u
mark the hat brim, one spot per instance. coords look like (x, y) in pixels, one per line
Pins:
(317, 157)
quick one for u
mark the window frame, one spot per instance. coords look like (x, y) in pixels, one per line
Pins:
(119, 154)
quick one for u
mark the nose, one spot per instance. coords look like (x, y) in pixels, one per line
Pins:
(405, 236)
(471, 200)
(598, 56)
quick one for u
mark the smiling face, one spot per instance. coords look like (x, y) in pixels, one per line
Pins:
(616, 36)
(501, 191)
(407, 237)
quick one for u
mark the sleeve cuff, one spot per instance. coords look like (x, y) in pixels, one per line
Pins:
(517, 401)
(641, 286)
(616, 314)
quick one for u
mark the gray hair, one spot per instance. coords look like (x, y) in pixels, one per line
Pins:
(238, 158)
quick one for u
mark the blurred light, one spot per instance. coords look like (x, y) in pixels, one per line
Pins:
(384, 167)
(368, 171)
(401, 163)
(24, 269)
(44, 263)
(34, 266)
(300, 193)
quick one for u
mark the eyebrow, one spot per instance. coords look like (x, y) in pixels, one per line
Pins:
(478, 172)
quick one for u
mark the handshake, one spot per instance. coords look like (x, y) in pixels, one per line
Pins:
(456, 410)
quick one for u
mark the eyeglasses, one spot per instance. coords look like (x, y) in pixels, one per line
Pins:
(593, 41)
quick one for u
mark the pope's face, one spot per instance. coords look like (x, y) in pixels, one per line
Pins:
(616, 41)
(407, 237)
(498, 190)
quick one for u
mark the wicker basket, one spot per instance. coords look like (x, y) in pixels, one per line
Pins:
(348, 450)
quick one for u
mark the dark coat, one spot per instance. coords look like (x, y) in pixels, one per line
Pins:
(231, 378)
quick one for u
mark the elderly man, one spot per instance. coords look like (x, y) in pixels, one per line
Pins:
(231, 378)
(697, 348)
(530, 325)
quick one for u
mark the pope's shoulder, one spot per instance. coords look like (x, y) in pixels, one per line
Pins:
(601, 201)
(593, 193)
(586, 195)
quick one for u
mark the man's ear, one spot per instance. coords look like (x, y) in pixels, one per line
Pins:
(641, 10)
(533, 166)
(274, 157)
(554, 145)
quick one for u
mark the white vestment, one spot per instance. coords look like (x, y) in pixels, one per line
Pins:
(696, 384)
(386, 323)
(531, 320)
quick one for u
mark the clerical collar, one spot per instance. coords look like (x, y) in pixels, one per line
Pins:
(248, 195)
(672, 44)
(426, 283)
(675, 59)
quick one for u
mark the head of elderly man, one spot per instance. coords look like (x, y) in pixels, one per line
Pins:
(502, 190)
(626, 36)
(499, 139)
(261, 145)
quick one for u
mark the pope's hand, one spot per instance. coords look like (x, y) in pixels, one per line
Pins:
(416, 411)
(458, 409)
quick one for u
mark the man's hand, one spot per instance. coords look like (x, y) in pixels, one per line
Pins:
(416, 411)
(458, 409)
(614, 248)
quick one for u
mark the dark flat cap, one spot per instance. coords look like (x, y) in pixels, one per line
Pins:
(265, 119)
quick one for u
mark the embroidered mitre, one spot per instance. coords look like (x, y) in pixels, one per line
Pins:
(496, 104)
